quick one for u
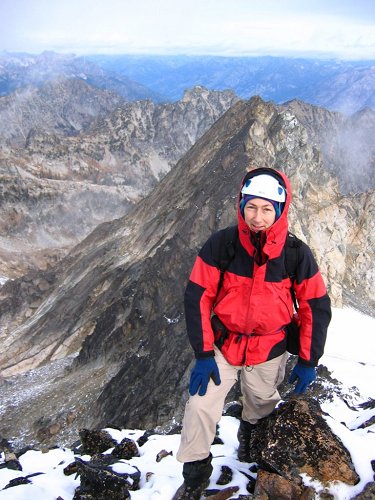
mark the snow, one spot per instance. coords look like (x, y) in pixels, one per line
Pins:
(349, 356)
(3, 279)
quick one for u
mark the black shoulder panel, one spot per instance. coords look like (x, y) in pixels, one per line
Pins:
(307, 266)
(224, 251)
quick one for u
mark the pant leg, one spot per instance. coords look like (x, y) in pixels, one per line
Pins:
(202, 413)
(259, 388)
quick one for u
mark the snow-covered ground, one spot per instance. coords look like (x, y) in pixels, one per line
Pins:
(350, 356)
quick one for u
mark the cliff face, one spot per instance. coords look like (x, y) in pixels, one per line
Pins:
(72, 157)
(346, 143)
(115, 302)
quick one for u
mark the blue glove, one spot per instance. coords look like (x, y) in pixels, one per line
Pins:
(305, 375)
(204, 369)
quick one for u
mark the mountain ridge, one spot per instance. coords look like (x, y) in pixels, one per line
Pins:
(338, 85)
(56, 187)
(344, 86)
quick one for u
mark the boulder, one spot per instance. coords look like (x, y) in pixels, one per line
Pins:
(296, 439)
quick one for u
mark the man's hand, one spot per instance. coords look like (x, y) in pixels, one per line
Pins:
(204, 369)
(304, 375)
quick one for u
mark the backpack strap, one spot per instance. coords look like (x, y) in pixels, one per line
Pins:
(227, 251)
(292, 244)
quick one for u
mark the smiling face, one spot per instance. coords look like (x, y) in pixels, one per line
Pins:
(259, 214)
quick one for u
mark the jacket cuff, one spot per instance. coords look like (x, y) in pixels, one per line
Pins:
(207, 354)
(305, 362)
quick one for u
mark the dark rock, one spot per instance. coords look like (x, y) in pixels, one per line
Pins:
(127, 449)
(226, 475)
(295, 439)
(368, 423)
(71, 469)
(162, 454)
(4, 445)
(144, 438)
(368, 492)
(251, 484)
(99, 481)
(95, 441)
(221, 494)
(17, 481)
(10, 458)
(368, 405)
(217, 440)
(234, 409)
(11, 464)
(271, 486)
(76, 447)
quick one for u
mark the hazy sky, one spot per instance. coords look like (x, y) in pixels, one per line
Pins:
(333, 28)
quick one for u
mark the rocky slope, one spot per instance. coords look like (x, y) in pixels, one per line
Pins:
(60, 107)
(57, 187)
(346, 143)
(114, 304)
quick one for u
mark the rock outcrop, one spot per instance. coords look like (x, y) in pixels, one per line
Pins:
(296, 440)
(346, 143)
(62, 107)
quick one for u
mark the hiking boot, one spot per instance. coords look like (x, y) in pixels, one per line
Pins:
(196, 478)
(244, 433)
(186, 492)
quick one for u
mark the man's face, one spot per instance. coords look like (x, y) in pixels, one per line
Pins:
(259, 214)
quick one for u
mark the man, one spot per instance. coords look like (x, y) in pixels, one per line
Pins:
(252, 305)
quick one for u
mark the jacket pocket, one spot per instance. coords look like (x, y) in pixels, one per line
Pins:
(234, 348)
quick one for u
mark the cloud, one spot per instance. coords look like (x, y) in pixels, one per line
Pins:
(240, 27)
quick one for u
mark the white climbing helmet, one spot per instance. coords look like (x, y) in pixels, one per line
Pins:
(264, 186)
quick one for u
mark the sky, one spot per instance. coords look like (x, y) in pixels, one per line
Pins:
(343, 29)
(350, 363)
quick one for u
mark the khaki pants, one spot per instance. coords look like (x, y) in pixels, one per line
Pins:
(202, 413)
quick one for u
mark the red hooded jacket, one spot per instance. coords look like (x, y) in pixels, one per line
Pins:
(254, 302)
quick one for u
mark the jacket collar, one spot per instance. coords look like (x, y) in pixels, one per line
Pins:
(275, 236)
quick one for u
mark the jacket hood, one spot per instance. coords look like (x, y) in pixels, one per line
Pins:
(275, 235)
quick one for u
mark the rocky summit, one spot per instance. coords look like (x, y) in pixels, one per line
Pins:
(100, 338)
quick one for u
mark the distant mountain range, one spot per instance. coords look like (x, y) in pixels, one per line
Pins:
(336, 85)
(23, 70)
(344, 86)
